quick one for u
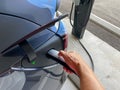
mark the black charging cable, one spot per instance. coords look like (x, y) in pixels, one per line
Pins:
(90, 57)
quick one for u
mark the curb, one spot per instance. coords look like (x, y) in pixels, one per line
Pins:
(110, 27)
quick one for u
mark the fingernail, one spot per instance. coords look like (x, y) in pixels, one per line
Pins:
(61, 58)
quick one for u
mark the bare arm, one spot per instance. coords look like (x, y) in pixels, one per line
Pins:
(88, 80)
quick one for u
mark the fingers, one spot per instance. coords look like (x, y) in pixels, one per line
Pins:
(73, 60)
(69, 59)
(64, 55)
(67, 70)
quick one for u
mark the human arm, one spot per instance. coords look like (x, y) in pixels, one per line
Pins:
(88, 80)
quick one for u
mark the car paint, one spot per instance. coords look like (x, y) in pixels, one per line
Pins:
(29, 16)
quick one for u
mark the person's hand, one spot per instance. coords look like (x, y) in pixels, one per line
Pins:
(88, 80)
(73, 59)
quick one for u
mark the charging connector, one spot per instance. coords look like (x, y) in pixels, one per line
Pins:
(54, 55)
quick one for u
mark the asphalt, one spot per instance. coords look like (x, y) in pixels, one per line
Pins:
(106, 10)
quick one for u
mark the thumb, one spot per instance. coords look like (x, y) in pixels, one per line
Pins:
(62, 53)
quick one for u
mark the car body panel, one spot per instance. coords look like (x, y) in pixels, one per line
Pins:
(17, 19)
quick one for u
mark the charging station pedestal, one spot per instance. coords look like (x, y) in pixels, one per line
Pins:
(82, 12)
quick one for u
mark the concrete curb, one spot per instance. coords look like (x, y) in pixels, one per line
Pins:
(110, 27)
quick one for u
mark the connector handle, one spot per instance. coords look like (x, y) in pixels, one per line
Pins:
(54, 55)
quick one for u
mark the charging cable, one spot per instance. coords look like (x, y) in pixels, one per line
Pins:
(90, 57)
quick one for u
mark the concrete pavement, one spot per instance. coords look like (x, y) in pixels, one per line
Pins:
(106, 58)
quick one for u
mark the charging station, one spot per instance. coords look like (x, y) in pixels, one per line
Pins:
(82, 10)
